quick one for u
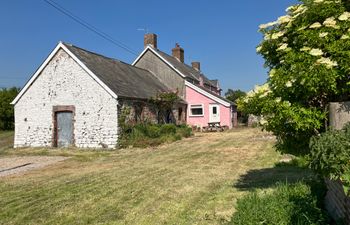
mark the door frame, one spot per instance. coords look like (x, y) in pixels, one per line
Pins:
(61, 108)
(211, 112)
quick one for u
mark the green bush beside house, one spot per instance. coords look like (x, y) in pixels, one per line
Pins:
(145, 134)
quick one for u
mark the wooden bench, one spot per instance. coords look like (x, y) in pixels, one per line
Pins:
(214, 126)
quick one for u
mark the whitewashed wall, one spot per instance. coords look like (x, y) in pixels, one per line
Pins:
(64, 82)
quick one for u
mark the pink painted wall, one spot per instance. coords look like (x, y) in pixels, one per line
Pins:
(195, 98)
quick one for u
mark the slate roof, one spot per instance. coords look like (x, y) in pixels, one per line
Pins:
(123, 79)
(192, 73)
(185, 69)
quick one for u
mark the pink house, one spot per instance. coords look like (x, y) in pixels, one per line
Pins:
(204, 108)
(202, 95)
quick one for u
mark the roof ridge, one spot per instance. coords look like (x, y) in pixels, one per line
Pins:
(190, 67)
(174, 58)
(98, 54)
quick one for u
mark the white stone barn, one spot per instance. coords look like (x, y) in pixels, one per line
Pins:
(74, 99)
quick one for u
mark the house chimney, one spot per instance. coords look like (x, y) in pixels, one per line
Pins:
(178, 53)
(150, 39)
(196, 66)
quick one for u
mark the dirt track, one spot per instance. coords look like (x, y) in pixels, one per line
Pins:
(15, 165)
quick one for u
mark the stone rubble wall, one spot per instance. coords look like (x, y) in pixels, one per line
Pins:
(339, 114)
(64, 82)
(337, 203)
(144, 111)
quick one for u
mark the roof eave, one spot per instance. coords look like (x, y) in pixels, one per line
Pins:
(209, 95)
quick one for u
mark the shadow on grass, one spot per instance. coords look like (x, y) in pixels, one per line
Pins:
(268, 177)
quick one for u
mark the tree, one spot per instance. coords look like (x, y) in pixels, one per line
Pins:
(233, 95)
(6, 110)
(307, 52)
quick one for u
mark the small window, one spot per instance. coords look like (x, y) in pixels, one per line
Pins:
(196, 110)
(214, 110)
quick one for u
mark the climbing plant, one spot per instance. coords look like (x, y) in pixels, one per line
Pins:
(164, 102)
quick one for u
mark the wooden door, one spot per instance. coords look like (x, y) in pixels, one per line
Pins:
(214, 113)
(64, 129)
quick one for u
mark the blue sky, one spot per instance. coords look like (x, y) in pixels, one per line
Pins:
(222, 35)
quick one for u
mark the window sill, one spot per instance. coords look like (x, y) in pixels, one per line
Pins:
(196, 115)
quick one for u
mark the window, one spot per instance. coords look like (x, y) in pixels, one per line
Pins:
(214, 110)
(196, 110)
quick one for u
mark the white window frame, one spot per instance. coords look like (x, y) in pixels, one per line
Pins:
(198, 107)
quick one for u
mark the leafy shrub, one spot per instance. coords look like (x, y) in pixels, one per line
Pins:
(145, 135)
(168, 129)
(286, 204)
(184, 131)
(6, 110)
(153, 131)
(330, 155)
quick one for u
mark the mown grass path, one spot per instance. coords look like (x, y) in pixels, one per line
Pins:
(192, 181)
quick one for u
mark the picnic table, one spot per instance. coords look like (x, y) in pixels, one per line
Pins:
(214, 126)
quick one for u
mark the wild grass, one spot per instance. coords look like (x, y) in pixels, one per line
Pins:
(192, 181)
(300, 204)
(6, 140)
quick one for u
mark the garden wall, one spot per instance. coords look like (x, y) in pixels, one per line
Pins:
(339, 114)
(337, 203)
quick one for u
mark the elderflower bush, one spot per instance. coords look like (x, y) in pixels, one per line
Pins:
(308, 54)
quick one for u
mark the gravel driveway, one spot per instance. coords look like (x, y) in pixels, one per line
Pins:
(14, 165)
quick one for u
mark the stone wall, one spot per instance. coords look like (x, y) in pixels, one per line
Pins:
(138, 111)
(339, 114)
(64, 82)
(253, 121)
(337, 203)
(144, 111)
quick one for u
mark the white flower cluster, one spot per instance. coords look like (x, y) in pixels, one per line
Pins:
(305, 49)
(344, 16)
(284, 19)
(315, 25)
(323, 34)
(331, 22)
(272, 72)
(316, 52)
(277, 35)
(327, 62)
(283, 47)
(262, 90)
(258, 49)
(296, 10)
(267, 25)
(290, 83)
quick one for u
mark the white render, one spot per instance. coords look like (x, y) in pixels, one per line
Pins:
(64, 82)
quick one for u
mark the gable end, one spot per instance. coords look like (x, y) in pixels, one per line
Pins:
(45, 63)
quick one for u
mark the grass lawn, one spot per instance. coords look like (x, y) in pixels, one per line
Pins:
(192, 181)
